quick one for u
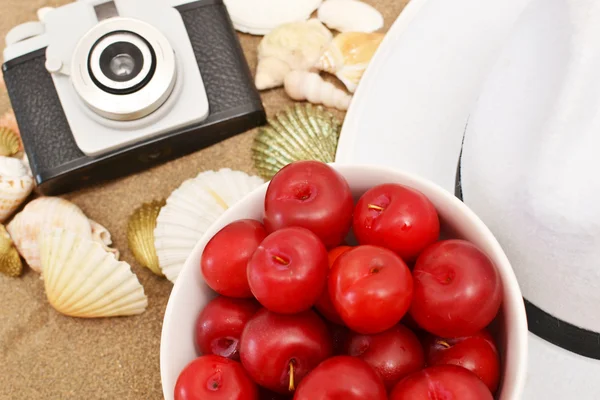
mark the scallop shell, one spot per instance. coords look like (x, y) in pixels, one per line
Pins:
(16, 184)
(9, 142)
(350, 16)
(10, 261)
(83, 280)
(349, 55)
(9, 121)
(259, 17)
(293, 46)
(191, 209)
(140, 235)
(46, 213)
(300, 132)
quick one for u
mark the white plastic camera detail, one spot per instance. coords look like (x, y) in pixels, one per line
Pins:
(66, 29)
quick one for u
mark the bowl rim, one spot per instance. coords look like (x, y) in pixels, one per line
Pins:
(508, 277)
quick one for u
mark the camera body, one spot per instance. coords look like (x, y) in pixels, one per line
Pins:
(102, 89)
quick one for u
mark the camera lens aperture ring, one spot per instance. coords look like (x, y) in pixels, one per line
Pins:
(121, 62)
(123, 69)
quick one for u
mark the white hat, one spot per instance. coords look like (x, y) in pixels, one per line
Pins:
(530, 168)
(530, 160)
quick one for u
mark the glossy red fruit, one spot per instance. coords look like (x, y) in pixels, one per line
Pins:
(477, 353)
(457, 289)
(342, 377)
(220, 324)
(215, 378)
(396, 217)
(226, 256)
(393, 354)
(447, 382)
(278, 350)
(288, 271)
(371, 288)
(312, 195)
(324, 304)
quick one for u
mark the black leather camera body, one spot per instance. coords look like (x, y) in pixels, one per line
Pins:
(94, 109)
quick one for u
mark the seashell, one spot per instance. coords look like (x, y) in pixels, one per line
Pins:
(304, 85)
(9, 142)
(10, 261)
(8, 120)
(140, 235)
(300, 132)
(46, 213)
(259, 17)
(350, 16)
(101, 235)
(83, 280)
(16, 184)
(297, 45)
(349, 55)
(191, 209)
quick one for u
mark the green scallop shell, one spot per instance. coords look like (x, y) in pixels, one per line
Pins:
(300, 132)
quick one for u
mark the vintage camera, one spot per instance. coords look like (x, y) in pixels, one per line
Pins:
(102, 89)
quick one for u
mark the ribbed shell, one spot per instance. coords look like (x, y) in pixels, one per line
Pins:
(10, 261)
(83, 280)
(300, 132)
(140, 235)
(191, 209)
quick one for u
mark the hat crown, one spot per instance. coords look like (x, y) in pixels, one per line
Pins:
(531, 158)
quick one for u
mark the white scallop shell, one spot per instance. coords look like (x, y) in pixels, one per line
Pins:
(46, 213)
(16, 184)
(191, 209)
(350, 16)
(292, 46)
(83, 280)
(259, 17)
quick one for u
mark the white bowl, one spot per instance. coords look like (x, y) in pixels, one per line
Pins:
(190, 294)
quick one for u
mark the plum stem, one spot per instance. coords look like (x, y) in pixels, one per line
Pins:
(280, 260)
(375, 207)
(291, 387)
(443, 343)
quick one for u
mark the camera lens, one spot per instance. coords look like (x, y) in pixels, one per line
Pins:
(123, 66)
(121, 63)
(124, 69)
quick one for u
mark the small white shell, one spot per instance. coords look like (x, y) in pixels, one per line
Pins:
(191, 209)
(46, 213)
(16, 184)
(83, 280)
(293, 46)
(304, 85)
(259, 17)
(350, 16)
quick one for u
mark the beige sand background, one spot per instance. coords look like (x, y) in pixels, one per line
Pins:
(45, 355)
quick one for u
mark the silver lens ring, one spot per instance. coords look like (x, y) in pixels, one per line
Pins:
(121, 61)
(102, 91)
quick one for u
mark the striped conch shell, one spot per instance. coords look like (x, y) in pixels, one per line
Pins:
(16, 184)
(304, 85)
(46, 213)
(349, 55)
